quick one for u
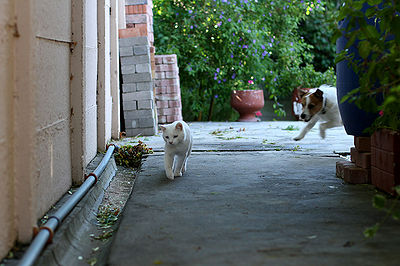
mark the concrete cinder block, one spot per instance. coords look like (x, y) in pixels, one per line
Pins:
(145, 104)
(129, 123)
(144, 95)
(142, 40)
(126, 51)
(141, 132)
(143, 68)
(129, 96)
(129, 87)
(137, 77)
(130, 105)
(137, 18)
(128, 69)
(137, 96)
(139, 114)
(144, 86)
(141, 50)
(146, 122)
(136, 59)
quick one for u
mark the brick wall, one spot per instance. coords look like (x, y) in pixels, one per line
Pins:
(167, 89)
(137, 87)
(147, 89)
(358, 171)
(139, 22)
(137, 69)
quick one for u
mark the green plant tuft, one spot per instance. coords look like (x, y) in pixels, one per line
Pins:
(131, 156)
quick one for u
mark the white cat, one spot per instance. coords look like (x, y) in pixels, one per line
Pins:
(178, 146)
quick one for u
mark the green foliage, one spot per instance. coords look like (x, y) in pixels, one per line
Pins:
(380, 202)
(229, 45)
(378, 67)
(317, 30)
(131, 156)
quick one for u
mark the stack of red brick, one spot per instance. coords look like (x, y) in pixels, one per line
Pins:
(167, 89)
(139, 23)
(385, 161)
(358, 171)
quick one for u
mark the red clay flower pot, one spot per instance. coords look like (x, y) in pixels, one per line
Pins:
(247, 103)
(385, 159)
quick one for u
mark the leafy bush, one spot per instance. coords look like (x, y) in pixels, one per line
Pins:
(222, 44)
(317, 30)
(378, 64)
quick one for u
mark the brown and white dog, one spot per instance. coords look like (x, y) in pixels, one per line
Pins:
(319, 104)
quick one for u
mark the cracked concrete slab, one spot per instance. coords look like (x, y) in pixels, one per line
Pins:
(240, 203)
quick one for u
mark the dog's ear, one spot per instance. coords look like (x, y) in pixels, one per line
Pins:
(301, 92)
(318, 93)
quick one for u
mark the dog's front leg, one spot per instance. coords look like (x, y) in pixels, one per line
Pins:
(307, 128)
(324, 126)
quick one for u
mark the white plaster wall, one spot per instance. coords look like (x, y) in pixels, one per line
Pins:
(24, 146)
(8, 232)
(104, 100)
(51, 73)
(114, 65)
(83, 86)
(90, 65)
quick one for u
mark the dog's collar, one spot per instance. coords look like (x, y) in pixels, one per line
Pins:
(323, 111)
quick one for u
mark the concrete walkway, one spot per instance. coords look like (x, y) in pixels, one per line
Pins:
(253, 196)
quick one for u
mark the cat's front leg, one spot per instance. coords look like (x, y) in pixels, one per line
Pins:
(180, 159)
(186, 157)
(168, 163)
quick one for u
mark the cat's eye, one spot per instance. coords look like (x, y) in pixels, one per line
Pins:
(166, 137)
(175, 136)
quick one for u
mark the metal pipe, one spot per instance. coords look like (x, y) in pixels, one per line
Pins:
(46, 231)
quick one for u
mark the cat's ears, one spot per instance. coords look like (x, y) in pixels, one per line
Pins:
(179, 126)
